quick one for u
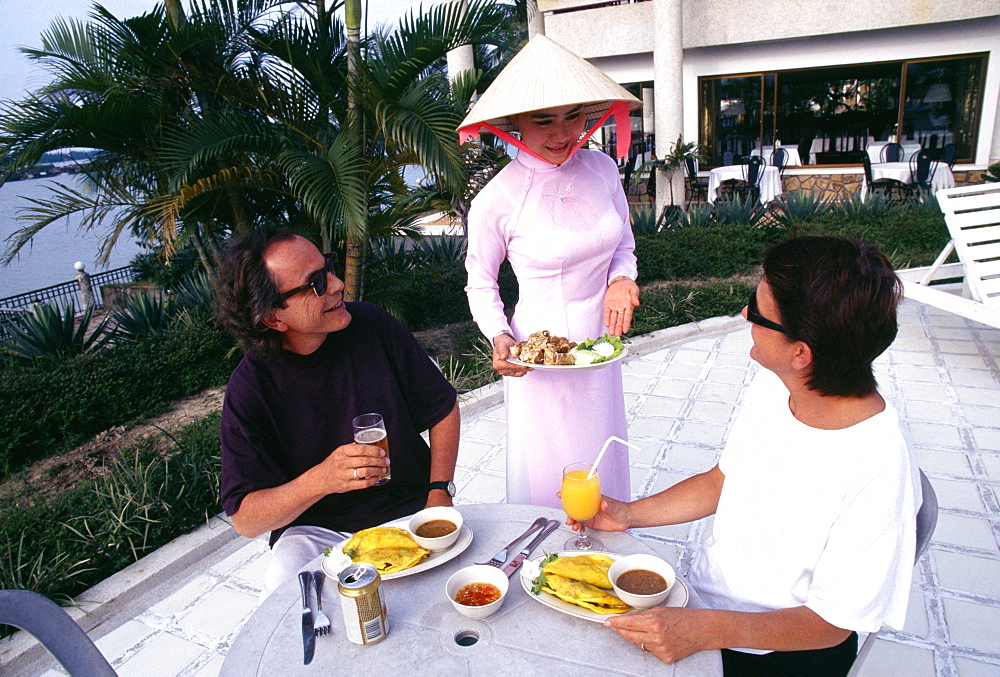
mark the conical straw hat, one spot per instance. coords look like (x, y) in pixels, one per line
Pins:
(542, 75)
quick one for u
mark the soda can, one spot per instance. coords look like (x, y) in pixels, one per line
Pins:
(364, 609)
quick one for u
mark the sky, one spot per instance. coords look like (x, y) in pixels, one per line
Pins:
(25, 20)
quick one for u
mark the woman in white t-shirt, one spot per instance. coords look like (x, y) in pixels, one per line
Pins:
(816, 493)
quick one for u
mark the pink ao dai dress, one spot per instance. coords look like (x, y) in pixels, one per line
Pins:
(566, 231)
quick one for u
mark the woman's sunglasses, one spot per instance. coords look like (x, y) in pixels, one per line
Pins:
(317, 281)
(753, 315)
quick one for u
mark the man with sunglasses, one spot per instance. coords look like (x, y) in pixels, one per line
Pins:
(816, 492)
(312, 363)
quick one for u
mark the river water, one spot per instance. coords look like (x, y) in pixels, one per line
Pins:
(50, 257)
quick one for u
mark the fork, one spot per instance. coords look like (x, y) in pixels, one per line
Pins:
(321, 625)
(499, 559)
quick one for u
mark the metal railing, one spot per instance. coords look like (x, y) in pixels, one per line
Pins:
(62, 294)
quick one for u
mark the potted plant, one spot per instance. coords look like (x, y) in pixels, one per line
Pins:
(674, 159)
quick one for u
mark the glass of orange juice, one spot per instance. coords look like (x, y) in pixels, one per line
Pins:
(581, 499)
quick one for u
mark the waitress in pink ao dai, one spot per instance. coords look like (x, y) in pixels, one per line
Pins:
(565, 229)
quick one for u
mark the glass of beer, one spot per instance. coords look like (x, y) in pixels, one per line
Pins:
(581, 499)
(370, 429)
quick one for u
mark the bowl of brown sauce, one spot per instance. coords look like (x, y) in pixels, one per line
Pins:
(435, 528)
(642, 581)
(477, 591)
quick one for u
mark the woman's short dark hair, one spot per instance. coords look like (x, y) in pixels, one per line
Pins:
(839, 296)
(245, 292)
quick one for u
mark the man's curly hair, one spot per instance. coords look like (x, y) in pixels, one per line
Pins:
(245, 292)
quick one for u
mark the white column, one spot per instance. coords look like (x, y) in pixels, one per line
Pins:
(668, 58)
(648, 110)
(461, 58)
(995, 145)
(536, 21)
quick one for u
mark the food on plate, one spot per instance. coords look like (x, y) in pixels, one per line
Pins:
(584, 594)
(641, 582)
(387, 548)
(597, 350)
(478, 594)
(581, 580)
(543, 348)
(435, 528)
(592, 569)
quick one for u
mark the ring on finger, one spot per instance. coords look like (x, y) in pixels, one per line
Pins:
(356, 474)
(643, 647)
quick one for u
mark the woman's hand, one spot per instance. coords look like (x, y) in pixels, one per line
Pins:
(619, 300)
(613, 516)
(501, 351)
(668, 633)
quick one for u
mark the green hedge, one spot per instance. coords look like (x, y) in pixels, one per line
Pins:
(693, 253)
(45, 412)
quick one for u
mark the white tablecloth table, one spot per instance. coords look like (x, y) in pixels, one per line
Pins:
(524, 637)
(770, 181)
(941, 176)
(767, 152)
(910, 148)
(837, 145)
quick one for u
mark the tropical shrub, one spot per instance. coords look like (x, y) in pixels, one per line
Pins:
(63, 545)
(675, 304)
(48, 333)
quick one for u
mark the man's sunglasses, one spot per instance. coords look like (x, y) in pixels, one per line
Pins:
(753, 315)
(317, 281)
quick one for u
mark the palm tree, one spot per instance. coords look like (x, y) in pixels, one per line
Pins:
(210, 122)
(121, 87)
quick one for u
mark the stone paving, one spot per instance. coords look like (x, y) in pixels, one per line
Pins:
(684, 387)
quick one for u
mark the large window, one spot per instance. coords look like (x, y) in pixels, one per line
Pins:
(828, 116)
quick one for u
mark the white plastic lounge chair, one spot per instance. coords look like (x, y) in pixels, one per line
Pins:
(972, 214)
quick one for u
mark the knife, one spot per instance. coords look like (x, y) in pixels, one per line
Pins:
(308, 636)
(500, 558)
(550, 526)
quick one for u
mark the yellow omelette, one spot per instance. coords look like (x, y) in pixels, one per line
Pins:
(583, 594)
(389, 549)
(592, 569)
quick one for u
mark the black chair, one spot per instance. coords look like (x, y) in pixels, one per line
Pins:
(883, 187)
(779, 159)
(750, 186)
(55, 630)
(892, 152)
(921, 172)
(949, 154)
(697, 189)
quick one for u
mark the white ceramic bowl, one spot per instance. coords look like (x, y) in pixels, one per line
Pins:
(440, 512)
(477, 573)
(649, 563)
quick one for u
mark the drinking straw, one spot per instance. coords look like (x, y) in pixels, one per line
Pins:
(593, 468)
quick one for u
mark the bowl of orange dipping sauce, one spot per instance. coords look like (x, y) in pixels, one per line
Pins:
(642, 581)
(477, 591)
(435, 528)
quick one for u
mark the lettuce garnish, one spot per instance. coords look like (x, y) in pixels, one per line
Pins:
(597, 350)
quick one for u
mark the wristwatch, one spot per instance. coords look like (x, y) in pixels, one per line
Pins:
(444, 486)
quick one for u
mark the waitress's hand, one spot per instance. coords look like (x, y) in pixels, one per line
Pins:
(501, 351)
(619, 300)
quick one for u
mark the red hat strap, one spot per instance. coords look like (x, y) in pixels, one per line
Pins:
(622, 123)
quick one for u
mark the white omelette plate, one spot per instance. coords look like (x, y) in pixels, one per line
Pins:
(432, 560)
(569, 367)
(677, 597)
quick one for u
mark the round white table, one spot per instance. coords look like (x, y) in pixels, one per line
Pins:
(524, 638)
(767, 152)
(770, 181)
(900, 171)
